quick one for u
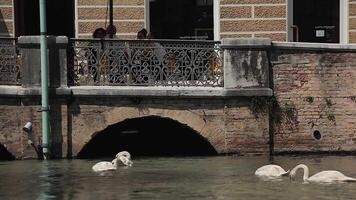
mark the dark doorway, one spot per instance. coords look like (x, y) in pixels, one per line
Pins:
(147, 136)
(316, 21)
(182, 19)
(5, 154)
(60, 17)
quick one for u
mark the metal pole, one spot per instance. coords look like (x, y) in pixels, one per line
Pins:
(44, 79)
(111, 17)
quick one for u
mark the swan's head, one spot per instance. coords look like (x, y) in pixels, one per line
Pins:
(293, 172)
(125, 158)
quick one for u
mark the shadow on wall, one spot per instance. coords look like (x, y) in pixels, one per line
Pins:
(5, 154)
(147, 136)
(4, 31)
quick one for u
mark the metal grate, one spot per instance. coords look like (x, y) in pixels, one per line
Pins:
(10, 62)
(145, 63)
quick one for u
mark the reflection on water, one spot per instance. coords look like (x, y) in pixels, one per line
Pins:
(225, 177)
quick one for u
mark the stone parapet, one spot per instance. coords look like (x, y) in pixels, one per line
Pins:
(246, 62)
(31, 60)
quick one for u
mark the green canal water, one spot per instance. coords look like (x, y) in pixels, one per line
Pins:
(221, 177)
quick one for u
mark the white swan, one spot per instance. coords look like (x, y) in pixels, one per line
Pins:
(328, 176)
(123, 156)
(271, 171)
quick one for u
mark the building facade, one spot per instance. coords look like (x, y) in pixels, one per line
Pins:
(326, 21)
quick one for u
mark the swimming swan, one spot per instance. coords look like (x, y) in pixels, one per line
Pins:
(271, 171)
(328, 176)
(123, 156)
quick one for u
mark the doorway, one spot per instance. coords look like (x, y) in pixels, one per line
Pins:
(182, 19)
(60, 17)
(315, 21)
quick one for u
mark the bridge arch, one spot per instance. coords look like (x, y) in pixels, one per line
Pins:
(147, 136)
(5, 154)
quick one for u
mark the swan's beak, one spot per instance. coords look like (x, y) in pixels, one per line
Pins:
(130, 163)
(126, 161)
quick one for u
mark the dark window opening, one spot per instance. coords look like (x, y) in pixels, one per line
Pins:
(60, 17)
(316, 21)
(5, 154)
(182, 19)
(147, 136)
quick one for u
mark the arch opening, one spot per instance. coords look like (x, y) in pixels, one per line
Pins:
(147, 136)
(5, 154)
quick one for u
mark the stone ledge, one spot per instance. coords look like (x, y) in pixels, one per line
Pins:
(195, 92)
(314, 46)
(34, 91)
(245, 43)
(9, 90)
(128, 91)
(35, 40)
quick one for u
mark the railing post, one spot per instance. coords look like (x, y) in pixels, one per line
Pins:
(246, 62)
(57, 62)
(31, 63)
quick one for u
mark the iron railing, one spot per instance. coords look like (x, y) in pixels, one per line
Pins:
(145, 63)
(10, 62)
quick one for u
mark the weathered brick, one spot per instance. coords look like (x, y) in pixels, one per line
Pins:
(115, 2)
(222, 36)
(352, 23)
(6, 27)
(6, 13)
(236, 12)
(119, 13)
(222, 2)
(320, 89)
(273, 36)
(253, 25)
(122, 27)
(352, 9)
(5, 2)
(270, 11)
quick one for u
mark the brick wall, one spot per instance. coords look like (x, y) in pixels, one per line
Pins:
(316, 91)
(253, 18)
(15, 112)
(128, 17)
(229, 125)
(6, 18)
(352, 21)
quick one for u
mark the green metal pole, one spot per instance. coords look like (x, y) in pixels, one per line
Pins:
(44, 79)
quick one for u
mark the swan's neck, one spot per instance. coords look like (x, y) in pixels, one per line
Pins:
(305, 171)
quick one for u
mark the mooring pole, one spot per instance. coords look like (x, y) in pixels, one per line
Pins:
(44, 79)
(111, 16)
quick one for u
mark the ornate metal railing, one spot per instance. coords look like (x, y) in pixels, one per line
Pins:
(145, 63)
(10, 58)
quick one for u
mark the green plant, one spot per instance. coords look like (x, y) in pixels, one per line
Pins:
(328, 102)
(289, 112)
(331, 117)
(258, 105)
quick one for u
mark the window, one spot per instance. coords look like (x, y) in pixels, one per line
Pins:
(182, 19)
(315, 21)
(60, 17)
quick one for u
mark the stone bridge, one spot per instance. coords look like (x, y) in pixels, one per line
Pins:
(273, 98)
